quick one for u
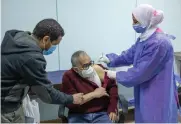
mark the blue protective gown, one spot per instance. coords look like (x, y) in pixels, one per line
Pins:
(152, 78)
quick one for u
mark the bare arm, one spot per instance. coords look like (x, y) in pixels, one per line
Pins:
(88, 97)
(97, 93)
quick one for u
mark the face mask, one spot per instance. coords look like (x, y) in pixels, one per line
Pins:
(87, 73)
(50, 50)
(139, 28)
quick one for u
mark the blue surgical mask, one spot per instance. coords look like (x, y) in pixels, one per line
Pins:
(50, 50)
(139, 28)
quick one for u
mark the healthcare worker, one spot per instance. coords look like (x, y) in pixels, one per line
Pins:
(23, 67)
(152, 72)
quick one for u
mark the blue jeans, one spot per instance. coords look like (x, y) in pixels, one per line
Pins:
(98, 117)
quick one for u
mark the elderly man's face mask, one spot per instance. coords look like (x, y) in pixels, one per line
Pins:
(84, 69)
(87, 70)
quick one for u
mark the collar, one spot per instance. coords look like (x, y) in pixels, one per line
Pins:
(144, 36)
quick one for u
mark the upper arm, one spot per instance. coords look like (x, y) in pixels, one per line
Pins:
(100, 71)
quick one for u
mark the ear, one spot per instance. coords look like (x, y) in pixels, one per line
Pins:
(46, 39)
(75, 69)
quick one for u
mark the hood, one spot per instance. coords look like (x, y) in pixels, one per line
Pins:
(19, 42)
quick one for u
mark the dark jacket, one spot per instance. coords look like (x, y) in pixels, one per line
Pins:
(73, 83)
(23, 66)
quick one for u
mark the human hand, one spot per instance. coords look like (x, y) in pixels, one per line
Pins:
(113, 116)
(111, 74)
(104, 58)
(99, 92)
(78, 98)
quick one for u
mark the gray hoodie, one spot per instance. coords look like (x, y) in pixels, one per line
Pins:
(23, 66)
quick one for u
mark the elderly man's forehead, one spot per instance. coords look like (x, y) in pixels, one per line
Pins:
(84, 58)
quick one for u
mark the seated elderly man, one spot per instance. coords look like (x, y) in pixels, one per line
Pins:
(100, 93)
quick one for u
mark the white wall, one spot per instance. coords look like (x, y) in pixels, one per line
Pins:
(24, 15)
(173, 21)
(95, 26)
(172, 18)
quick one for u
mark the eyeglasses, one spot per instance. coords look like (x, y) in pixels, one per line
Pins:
(87, 65)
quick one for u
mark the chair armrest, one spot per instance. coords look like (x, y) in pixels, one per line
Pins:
(62, 114)
(124, 106)
(121, 118)
(61, 110)
(124, 103)
(64, 119)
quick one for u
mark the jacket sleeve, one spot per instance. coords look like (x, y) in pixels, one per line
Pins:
(151, 62)
(34, 74)
(112, 89)
(68, 88)
(113, 92)
(125, 59)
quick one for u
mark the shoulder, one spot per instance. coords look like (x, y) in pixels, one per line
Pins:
(69, 73)
(159, 41)
(100, 66)
(33, 61)
(33, 56)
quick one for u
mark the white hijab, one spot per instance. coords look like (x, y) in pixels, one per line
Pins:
(149, 17)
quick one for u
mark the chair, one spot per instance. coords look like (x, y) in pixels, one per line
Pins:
(63, 111)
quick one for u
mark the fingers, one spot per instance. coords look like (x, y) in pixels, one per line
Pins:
(114, 117)
(111, 74)
(111, 116)
(101, 59)
(106, 94)
(78, 98)
(102, 88)
(81, 95)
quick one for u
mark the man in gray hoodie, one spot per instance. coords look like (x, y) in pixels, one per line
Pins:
(23, 67)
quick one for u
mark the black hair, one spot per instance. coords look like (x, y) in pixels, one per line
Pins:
(48, 27)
